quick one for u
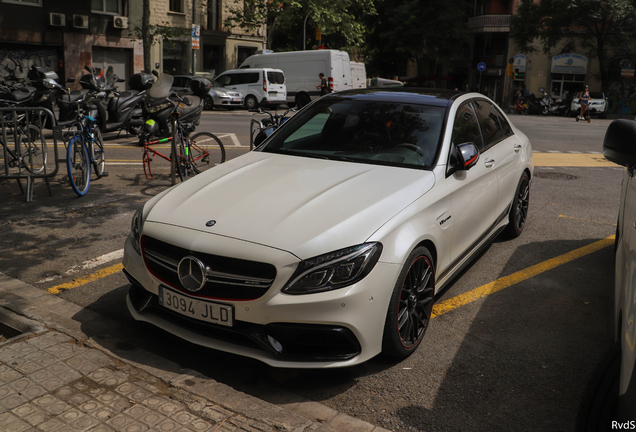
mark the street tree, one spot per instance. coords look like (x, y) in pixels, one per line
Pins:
(603, 29)
(423, 31)
(340, 17)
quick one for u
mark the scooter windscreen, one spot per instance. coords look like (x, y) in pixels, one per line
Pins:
(160, 90)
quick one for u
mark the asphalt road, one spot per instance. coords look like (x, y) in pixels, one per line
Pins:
(516, 337)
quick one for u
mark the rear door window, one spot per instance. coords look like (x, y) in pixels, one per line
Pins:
(489, 123)
(276, 77)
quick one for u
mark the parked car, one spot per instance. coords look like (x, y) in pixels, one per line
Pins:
(260, 86)
(598, 105)
(218, 96)
(327, 244)
(610, 401)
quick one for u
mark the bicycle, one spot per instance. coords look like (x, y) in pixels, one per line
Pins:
(192, 154)
(29, 151)
(85, 147)
(262, 129)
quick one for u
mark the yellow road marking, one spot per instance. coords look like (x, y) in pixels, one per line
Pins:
(82, 281)
(571, 160)
(515, 278)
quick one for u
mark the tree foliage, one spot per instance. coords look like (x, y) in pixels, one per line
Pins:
(416, 30)
(333, 17)
(604, 29)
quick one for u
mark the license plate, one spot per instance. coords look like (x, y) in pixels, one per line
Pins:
(236, 99)
(211, 312)
(273, 93)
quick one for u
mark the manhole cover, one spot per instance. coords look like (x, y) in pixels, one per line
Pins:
(555, 176)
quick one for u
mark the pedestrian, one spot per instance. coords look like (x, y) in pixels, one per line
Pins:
(323, 87)
(584, 100)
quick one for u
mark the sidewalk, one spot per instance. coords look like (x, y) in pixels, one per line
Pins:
(55, 378)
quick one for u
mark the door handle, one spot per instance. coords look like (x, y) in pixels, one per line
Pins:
(489, 163)
(517, 148)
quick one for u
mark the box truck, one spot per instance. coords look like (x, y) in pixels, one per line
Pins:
(301, 70)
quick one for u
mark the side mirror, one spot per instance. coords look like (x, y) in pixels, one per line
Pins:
(619, 145)
(469, 155)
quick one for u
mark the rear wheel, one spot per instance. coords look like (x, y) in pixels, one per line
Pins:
(411, 305)
(179, 156)
(251, 102)
(98, 157)
(79, 169)
(302, 100)
(206, 151)
(33, 149)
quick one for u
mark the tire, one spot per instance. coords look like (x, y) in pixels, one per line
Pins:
(33, 150)
(302, 100)
(179, 156)
(411, 305)
(79, 168)
(519, 210)
(208, 104)
(98, 157)
(250, 102)
(206, 151)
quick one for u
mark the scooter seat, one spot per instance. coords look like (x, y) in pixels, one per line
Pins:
(20, 94)
(116, 102)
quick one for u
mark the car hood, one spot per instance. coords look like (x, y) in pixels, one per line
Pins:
(301, 205)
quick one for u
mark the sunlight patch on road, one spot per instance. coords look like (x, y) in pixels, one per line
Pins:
(515, 278)
(571, 160)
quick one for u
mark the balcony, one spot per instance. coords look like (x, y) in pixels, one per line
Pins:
(489, 24)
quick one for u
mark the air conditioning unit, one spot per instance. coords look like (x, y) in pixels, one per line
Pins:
(80, 21)
(120, 22)
(57, 19)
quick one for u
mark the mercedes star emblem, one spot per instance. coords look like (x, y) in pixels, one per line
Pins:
(191, 273)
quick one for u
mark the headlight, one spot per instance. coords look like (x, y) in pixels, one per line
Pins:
(334, 270)
(135, 229)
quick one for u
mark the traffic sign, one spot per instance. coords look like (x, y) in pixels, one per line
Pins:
(481, 66)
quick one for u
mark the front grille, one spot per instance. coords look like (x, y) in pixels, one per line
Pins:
(226, 278)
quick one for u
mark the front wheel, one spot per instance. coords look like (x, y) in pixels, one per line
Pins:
(98, 157)
(519, 211)
(33, 149)
(206, 150)
(411, 305)
(251, 102)
(208, 104)
(77, 163)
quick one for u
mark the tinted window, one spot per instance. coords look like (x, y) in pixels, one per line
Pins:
(505, 126)
(224, 80)
(466, 128)
(489, 122)
(181, 82)
(248, 78)
(385, 133)
(276, 77)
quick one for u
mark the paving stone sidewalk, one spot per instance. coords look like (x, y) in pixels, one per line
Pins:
(55, 378)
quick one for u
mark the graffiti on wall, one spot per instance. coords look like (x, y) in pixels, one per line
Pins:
(622, 97)
(15, 64)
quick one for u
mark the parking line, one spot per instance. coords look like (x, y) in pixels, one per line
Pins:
(84, 280)
(515, 278)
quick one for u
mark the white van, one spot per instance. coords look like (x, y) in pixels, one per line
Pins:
(358, 75)
(260, 86)
(302, 68)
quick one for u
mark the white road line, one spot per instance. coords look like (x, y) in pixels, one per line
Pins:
(233, 137)
(86, 265)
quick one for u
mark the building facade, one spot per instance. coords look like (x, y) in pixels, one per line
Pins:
(66, 35)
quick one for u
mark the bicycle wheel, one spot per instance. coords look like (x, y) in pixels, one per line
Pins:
(33, 149)
(179, 155)
(206, 151)
(79, 169)
(98, 157)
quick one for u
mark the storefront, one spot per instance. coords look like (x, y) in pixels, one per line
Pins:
(567, 74)
(175, 57)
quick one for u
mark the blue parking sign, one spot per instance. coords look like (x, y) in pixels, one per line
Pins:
(481, 66)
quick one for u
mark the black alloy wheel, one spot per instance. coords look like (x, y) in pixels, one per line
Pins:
(519, 211)
(411, 305)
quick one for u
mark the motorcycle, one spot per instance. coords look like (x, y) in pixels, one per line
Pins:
(158, 104)
(519, 107)
(534, 105)
(260, 130)
(545, 104)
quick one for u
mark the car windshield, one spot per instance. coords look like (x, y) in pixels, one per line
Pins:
(363, 131)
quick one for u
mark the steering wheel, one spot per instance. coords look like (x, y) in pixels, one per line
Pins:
(411, 147)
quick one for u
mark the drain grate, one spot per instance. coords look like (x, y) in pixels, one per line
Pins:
(555, 176)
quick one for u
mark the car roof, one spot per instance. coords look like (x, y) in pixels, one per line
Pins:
(426, 96)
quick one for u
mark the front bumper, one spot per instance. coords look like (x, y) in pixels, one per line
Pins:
(334, 329)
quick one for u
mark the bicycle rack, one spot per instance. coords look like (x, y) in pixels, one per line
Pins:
(9, 123)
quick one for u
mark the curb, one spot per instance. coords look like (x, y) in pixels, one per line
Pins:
(32, 312)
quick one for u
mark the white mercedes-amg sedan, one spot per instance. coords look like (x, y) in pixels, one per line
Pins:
(327, 244)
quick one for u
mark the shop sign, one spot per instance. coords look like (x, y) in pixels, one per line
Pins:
(627, 70)
(519, 62)
(569, 64)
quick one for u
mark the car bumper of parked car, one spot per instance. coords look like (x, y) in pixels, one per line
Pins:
(338, 328)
